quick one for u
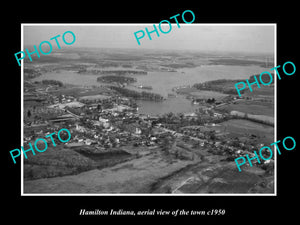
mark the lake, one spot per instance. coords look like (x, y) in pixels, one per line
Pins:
(163, 82)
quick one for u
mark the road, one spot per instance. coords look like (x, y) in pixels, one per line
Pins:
(78, 117)
(177, 134)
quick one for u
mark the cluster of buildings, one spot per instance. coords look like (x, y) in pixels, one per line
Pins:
(105, 122)
(111, 122)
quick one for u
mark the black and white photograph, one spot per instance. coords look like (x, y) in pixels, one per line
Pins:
(148, 112)
(141, 113)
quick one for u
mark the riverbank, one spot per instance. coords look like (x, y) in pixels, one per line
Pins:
(138, 95)
(257, 106)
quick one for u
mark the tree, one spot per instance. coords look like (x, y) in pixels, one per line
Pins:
(212, 135)
(28, 114)
(168, 143)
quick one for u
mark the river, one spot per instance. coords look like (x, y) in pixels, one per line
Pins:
(163, 82)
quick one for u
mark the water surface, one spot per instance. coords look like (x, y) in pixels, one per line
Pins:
(163, 82)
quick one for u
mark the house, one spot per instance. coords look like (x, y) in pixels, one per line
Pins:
(190, 115)
(104, 122)
(119, 108)
(80, 128)
(217, 143)
(89, 142)
(218, 115)
(138, 130)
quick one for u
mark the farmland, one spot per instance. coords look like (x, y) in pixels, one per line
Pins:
(244, 128)
(250, 107)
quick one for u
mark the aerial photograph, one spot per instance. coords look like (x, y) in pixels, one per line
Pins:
(162, 117)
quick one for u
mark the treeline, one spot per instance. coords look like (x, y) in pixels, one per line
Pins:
(265, 78)
(176, 121)
(31, 73)
(228, 86)
(260, 119)
(113, 72)
(117, 79)
(236, 62)
(223, 85)
(52, 82)
(180, 65)
(267, 120)
(138, 95)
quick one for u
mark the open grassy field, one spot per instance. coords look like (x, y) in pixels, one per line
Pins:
(62, 161)
(263, 91)
(80, 91)
(196, 171)
(54, 162)
(135, 176)
(250, 107)
(94, 97)
(242, 128)
(207, 94)
(232, 61)
(201, 94)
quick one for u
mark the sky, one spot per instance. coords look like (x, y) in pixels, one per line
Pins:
(254, 38)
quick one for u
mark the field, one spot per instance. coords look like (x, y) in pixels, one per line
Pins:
(94, 97)
(207, 94)
(201, 94)
(265, 91)
(54, 162)
(196, 170)
(250, 107)
(231, 61)
(80, 91)
(62, 161)
(242, 128)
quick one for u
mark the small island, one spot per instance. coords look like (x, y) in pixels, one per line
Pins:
(116, 79)
(138, 95)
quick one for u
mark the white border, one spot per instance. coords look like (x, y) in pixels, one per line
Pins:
(139, 24)
(275, 110)
(22, 110)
